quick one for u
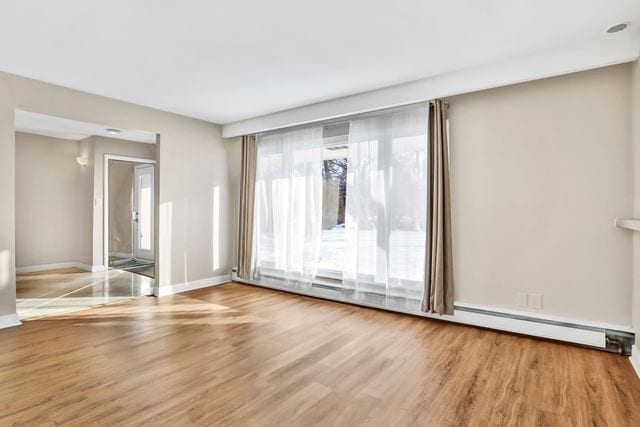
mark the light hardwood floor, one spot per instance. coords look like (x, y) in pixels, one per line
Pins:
(242, 355)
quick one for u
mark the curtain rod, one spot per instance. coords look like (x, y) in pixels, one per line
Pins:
(346, 118)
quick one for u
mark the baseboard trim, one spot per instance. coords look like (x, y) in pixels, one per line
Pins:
(551, 327)
(58, 266)
(192, 285)
(635, 359)
(9, 321)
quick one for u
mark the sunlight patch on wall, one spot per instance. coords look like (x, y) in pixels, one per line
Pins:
(166, 218)
(216, 228)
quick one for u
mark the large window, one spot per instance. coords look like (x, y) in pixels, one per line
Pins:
(343, 206)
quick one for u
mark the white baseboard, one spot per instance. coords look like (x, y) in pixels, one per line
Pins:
(568, 330)
(9, 321)
(192, 285)
(58, 266)
(635, 358)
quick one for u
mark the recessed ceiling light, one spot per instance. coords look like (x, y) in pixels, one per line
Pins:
(113, 131)
(617, 28)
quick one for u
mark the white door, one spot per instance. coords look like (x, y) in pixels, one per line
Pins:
(143, 202)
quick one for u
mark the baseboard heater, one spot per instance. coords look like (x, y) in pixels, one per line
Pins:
(615, 341)
(589, 334)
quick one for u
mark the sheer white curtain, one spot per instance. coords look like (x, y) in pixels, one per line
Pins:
(288, 206)
(386, 207)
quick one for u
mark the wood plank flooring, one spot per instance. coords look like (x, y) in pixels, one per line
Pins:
(242, 355)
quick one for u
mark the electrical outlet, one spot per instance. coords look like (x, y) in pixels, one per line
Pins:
(522, 299)
(535, 301)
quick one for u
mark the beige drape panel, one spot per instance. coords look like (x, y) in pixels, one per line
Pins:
(247, 191)
(438, 283)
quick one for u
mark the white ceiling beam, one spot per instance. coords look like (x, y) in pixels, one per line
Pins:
(609, 51)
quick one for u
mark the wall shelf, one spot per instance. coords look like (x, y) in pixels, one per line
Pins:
(629, 224)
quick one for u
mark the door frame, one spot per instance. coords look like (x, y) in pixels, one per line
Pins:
(105, 200)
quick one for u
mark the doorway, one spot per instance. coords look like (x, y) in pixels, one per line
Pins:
(129, 214)
(60, 262)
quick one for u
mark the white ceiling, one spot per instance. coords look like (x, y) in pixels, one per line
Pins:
(229, 60)
(58, 127)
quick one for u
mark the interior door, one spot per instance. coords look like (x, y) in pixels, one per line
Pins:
(143, 203)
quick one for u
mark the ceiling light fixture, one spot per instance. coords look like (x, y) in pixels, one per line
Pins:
(617, 28)
(113, 131)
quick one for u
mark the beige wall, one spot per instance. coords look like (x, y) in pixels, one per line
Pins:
(635, 134)
(120, 206)
(539, 172)
(51, 202)
(192, 162)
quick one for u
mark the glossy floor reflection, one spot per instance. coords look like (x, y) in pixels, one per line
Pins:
(63, 291)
